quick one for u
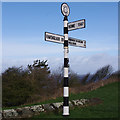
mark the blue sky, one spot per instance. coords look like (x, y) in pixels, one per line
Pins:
(24, 25)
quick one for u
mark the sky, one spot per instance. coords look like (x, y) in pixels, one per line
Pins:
(24, 25)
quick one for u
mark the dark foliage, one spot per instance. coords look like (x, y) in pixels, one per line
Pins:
(101, 74)
(85, 79)
(16, 87)
(115, 75)
(58, 76)
(21, 86)
(39, 74)
(73, 79)
(37, 83)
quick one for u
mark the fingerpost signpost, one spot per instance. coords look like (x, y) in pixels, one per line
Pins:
(65, 40)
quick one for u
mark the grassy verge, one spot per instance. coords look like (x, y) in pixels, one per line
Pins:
(108, 109)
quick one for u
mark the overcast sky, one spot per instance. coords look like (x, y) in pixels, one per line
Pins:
(24, 25)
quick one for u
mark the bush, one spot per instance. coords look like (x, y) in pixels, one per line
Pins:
(16, 87)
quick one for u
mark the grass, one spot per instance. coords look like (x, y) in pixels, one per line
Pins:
(108, 109)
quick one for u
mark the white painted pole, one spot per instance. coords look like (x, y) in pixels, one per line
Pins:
(66, 60)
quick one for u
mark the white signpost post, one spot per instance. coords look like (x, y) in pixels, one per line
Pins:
(65, 40)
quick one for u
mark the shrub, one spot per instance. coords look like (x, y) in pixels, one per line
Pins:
(16, 87)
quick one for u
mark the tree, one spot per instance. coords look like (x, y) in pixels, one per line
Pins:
(16, 87)
(39, 73)
(58, 76)
(102, 73)
(84, 79)
(73, 79)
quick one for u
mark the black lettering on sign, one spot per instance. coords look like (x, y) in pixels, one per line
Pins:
(79, 41)
(71, 39)
(58, 38)
(53, 37)
(81, 24)
(84, 43)
(73, 43)
(62, 39)
(48, 36)
(71, 26)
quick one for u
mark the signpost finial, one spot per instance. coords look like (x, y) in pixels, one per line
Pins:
(65, 9)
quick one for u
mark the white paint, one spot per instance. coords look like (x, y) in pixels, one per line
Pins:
(65, 53)
(66, 36)
(66, 92)
(65, 110)
(65, 23)
(65, 72)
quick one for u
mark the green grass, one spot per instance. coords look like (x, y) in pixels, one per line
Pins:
(108, 109)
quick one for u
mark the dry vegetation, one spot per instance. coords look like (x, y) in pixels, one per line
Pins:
(37, 83)
(94, 85)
